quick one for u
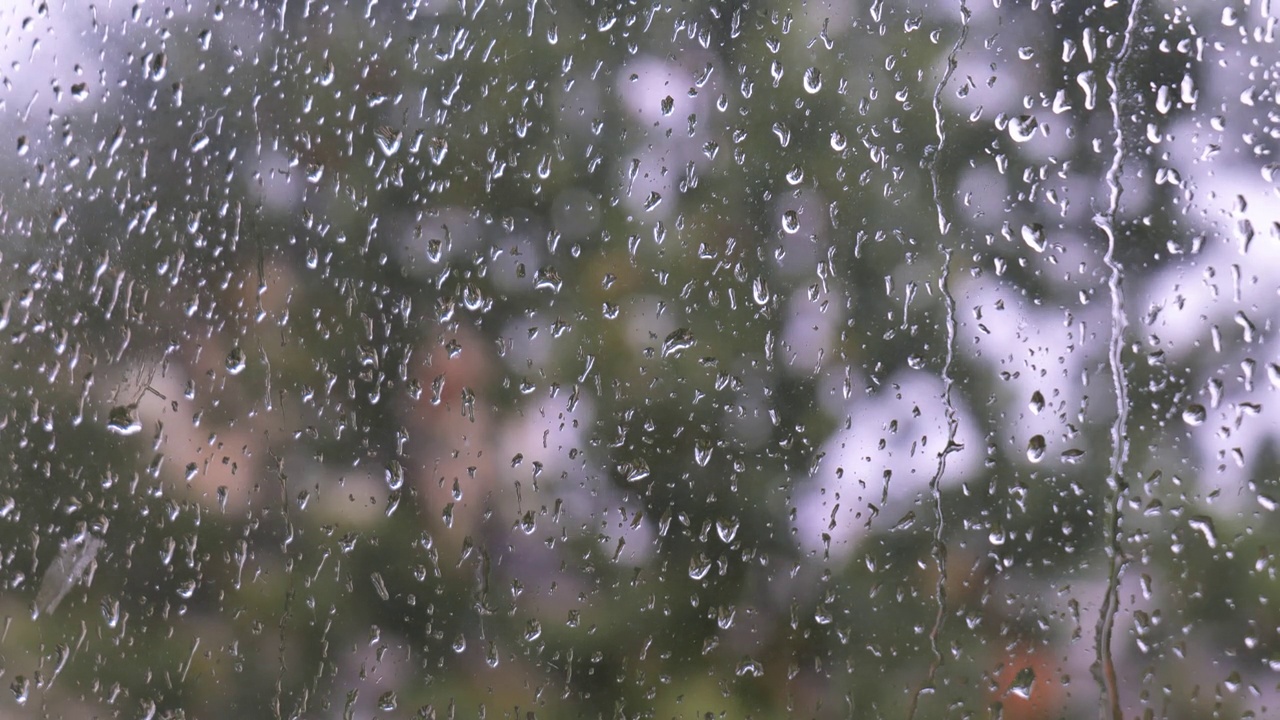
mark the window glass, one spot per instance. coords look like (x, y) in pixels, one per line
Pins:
(587, 359)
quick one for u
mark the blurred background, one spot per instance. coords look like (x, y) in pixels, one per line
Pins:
(711, 359)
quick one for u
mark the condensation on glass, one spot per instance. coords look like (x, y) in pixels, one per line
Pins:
(708, 359)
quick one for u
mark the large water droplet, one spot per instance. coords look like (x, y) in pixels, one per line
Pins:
(699, 566)
(1035, 448)
(388, 140)
(678, 340)
(760, 291)
(394, 475)
(634, 471)
(1203, 524)
(702, 452)
(1023, 682)
(123, 420)
(790, 222)
(1195, 414)
(727, 529)
(812, 80)
(235, 361)
(1033, 236)
(1023, 127)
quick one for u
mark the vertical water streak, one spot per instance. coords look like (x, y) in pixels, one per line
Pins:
(1104, 667)
(939, 549)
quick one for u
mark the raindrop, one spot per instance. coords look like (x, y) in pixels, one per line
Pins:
(1036, 448)
(727, 529)
(1195, 414)
(838, 141)
(123, 420)
(235, 361)
(679, 340)
(548, 279)
(379, 586)
(21, 689)
(155, 65)
(1037, 402)
(725, 615)
(1023, 127)
(394, 475)
(699, 566)
(1023, 682)
(702, 452)
(812, 80)
(634, 471)
(790, 222)
(1203, 524)
(795, 175)
(760, 291)
(388, 140)
(1033, 236)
